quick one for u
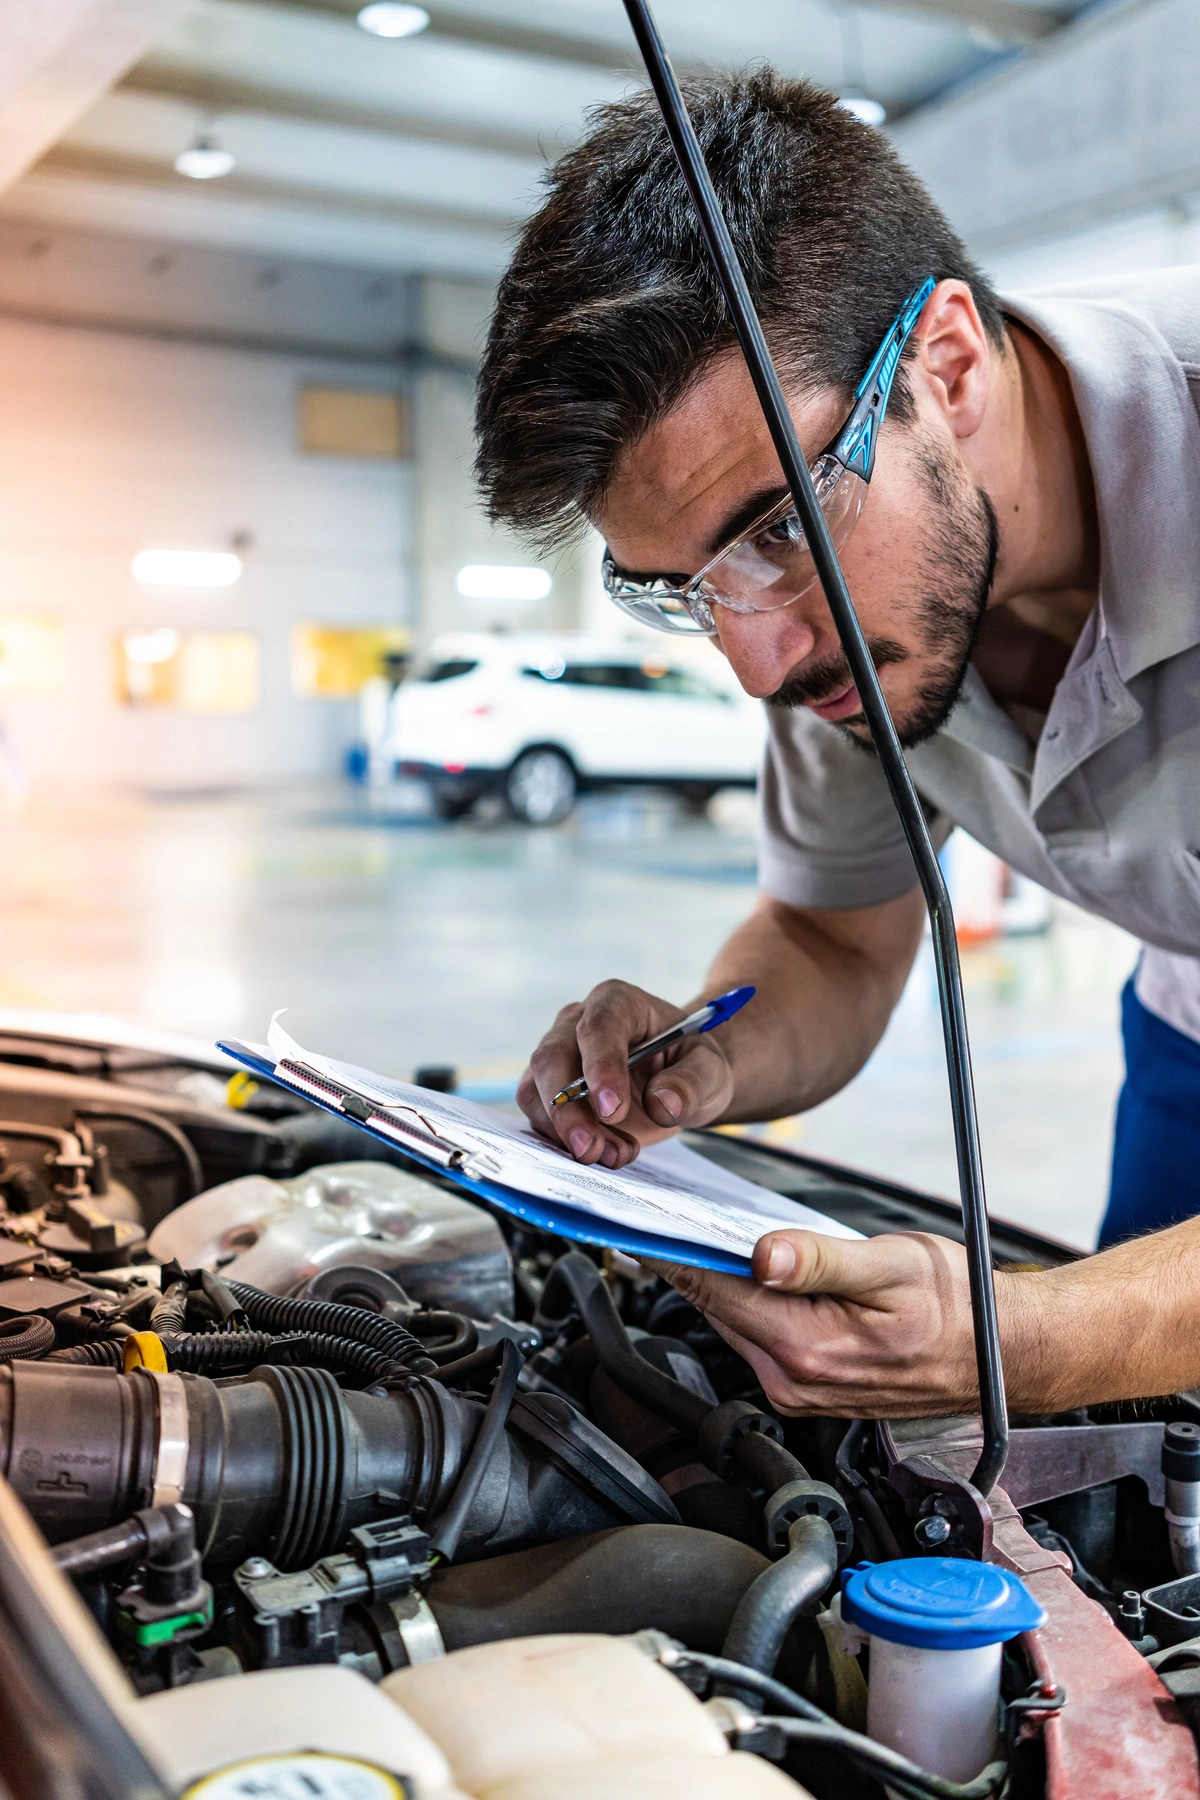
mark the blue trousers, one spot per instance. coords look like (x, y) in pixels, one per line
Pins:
(1156, 1146)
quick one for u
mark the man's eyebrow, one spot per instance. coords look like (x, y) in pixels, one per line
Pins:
(731, 527)
(750, 509)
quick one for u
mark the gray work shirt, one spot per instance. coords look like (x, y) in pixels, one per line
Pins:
(1105, 810)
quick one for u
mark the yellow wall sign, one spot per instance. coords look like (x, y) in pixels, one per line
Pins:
(331, 662)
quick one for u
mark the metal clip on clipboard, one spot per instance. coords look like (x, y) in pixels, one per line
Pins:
(404, 1125)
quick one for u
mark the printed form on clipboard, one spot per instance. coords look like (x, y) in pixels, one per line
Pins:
(671, 1203)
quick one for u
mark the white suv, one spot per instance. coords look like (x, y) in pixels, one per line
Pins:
(539, 716)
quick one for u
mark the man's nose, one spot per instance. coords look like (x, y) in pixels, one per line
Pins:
(764, 647)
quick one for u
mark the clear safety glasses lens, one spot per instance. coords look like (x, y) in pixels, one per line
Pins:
(772, 565)
(664, 608)
(769, 566)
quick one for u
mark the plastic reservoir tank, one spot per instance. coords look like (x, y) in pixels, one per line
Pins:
(937, 1626)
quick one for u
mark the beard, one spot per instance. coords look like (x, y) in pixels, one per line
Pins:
(955, 571)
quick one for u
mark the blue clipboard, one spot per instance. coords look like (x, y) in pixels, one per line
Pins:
(548, 1215)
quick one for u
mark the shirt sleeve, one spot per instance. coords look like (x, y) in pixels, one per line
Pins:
(829, 834)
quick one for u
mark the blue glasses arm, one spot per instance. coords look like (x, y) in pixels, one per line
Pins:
(854, 446)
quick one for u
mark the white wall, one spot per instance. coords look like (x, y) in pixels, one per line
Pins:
(450, 526)
(1079, 158)
(1156, 237)
(109, 443)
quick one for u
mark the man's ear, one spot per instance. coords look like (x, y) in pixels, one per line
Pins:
(954, 362)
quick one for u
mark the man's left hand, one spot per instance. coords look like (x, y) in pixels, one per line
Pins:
(873, 1328)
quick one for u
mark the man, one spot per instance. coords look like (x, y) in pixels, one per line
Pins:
(1022, 539)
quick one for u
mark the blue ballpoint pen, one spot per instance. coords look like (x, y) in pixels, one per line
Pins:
(714, 1012)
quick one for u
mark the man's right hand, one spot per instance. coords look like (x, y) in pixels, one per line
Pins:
(689, 1084)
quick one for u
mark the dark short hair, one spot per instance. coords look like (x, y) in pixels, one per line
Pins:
(609, 309)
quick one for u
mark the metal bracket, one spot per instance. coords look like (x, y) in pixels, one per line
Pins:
(929, 1493)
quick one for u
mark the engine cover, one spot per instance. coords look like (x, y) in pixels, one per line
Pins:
(443, 1250)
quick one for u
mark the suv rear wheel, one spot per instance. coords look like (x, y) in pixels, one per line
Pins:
(541, 787)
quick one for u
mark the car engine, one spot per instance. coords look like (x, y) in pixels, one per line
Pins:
(279, 1399)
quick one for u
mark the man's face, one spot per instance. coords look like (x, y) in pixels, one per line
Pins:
(919, 563)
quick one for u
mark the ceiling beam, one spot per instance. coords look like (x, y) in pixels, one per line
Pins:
(1117, 89)
(1007, 21)
(138, 171)
(57, 61)
(482, 33)
(408, 356)
(218, 95)
(1003, 20)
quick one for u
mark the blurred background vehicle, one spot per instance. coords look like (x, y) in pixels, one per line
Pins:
(540, 717)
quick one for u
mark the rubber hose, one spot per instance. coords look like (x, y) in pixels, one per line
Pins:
(101, 1353)
(463, 1338)
(445, 1534)
(766, 1463)
(190, 1169)
(202, 1353)
(771, 1606)
(670, 1578)
(153, 1529)
(857, 1494)
(227, 1307)
(101, 1549)
(271, 1312)
(26, 1337)
(614, 1346)
(479, 1362)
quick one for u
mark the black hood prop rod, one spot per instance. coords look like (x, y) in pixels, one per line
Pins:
(719, 244)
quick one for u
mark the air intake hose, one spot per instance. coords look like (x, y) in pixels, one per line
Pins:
(734, 1433)
(284, 1462)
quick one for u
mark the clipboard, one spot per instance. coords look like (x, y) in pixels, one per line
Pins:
(436, 1150)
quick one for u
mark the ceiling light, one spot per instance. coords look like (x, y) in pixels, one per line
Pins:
(489, 581)
(871, 112)
(204, 160)
(186, 568)
(391, 19)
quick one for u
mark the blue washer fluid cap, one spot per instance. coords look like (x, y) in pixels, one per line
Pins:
(939, 1602)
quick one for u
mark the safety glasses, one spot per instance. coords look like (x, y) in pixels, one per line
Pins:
(769, 565)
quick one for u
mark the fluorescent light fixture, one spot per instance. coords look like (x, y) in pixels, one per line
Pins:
(204, 160)
(500, 581)
(157, 646)
(186, 568)
(391, 19)
(871, 112)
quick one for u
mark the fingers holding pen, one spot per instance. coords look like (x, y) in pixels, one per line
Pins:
(555, 1063)
(593, 1038)
(616, 1017)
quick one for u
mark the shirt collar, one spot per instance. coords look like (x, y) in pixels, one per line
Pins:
(981, 722)
(1143, 440)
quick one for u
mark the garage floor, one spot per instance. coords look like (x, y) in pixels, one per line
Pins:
(396, 940)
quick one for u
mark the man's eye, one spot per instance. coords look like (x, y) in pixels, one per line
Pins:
(783, 532)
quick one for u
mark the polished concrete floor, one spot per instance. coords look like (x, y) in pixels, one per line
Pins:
(396, 940)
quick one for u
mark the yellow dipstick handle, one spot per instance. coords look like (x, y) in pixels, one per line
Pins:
(144, 1350)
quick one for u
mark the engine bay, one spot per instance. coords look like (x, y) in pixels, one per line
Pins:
(278, 1399)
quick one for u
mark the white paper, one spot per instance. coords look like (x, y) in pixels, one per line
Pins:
(670, 1191)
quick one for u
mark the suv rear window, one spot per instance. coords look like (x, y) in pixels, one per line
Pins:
(447, 671)
(646, 680)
